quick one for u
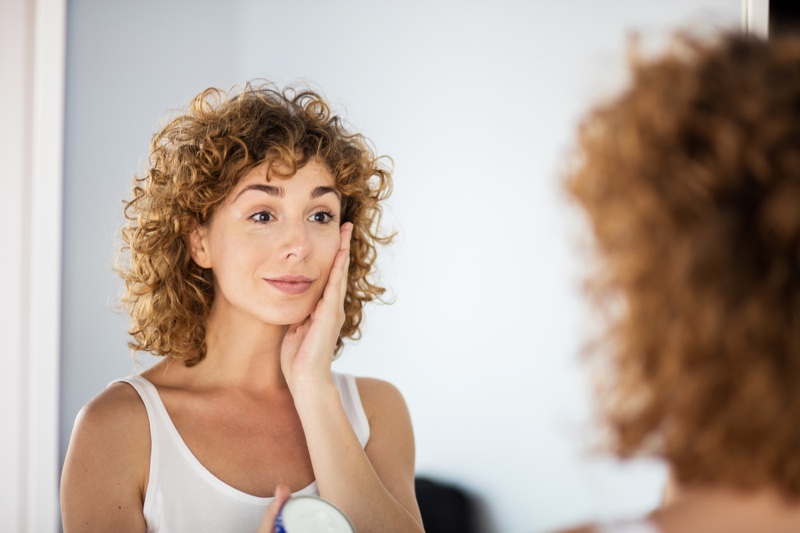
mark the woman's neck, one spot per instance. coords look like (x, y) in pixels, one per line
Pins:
(726, 510)
(241, 352)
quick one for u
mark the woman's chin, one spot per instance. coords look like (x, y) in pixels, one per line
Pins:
(281, 315)
(288, 318)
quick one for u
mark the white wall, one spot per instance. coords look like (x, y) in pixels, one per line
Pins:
(476, 102)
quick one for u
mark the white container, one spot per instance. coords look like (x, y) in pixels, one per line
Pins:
(310, 514)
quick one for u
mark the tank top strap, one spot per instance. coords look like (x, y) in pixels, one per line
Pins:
(157, 416)
(147, 392)
(156, 412)
(351, 401)
(182, 495)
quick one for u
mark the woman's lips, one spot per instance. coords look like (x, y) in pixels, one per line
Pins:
(291, 284)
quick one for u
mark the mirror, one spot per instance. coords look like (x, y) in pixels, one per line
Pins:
(477, 103)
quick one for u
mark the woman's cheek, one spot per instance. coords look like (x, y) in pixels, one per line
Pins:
(331, 248)
(327, 256)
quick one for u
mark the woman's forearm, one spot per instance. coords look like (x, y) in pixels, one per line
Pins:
(342, 469)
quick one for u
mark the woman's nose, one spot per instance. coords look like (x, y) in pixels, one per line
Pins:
(296, 243)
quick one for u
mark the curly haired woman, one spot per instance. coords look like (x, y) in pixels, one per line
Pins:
(250, 241)
(690, 181)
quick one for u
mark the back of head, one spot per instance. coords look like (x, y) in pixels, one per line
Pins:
(691, 183)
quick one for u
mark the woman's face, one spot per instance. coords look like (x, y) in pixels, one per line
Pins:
(271, 244)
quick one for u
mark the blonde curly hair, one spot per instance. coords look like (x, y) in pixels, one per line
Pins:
(195, 160)
(691, 183)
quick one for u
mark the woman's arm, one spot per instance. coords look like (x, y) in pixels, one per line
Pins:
(106, 468)
(373, 487)
(390, 449)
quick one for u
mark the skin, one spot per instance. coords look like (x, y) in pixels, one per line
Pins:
(720, 509)
(261, 411)
(282, 494)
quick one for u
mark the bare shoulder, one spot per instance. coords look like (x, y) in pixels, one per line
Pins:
(379, 396)
(111, 432)
(388, 416)
(117, 413)
(391, 440)
(390, 449)
(107, 464)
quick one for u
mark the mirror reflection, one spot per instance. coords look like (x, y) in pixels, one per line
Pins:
(476, 104)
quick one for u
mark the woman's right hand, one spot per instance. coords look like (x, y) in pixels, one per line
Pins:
(282, 493)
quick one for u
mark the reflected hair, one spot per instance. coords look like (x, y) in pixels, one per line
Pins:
(195, 161)
(690, 181)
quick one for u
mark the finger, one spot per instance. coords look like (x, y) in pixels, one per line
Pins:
(345, 232)
(345, 277)
(347, 239)
(339, 269)
(298, 330)
(298, 326)
(282, 493)
(294, 337)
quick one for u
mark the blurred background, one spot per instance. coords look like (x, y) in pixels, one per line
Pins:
(476, 102)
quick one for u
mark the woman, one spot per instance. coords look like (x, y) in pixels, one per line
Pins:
(691, 183)
(250, 240)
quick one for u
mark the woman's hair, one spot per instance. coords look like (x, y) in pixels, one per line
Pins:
(691, 183)
(195, 160)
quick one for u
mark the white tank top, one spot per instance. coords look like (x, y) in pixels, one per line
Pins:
(183, 496)
(631, 526)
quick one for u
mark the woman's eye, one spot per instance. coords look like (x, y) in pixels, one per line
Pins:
(322, 217)
(262, 217)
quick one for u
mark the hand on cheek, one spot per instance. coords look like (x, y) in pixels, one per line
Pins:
(308, 347)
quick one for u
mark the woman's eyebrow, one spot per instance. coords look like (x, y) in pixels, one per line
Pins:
(272, 190)
(279, 192)
(319, 191)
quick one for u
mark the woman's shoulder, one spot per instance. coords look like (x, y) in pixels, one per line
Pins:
(384, 407)
(115, 416)
(377, 394)
(107, 465)
(371, 385)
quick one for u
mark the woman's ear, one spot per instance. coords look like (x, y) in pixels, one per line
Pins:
(198, 245)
